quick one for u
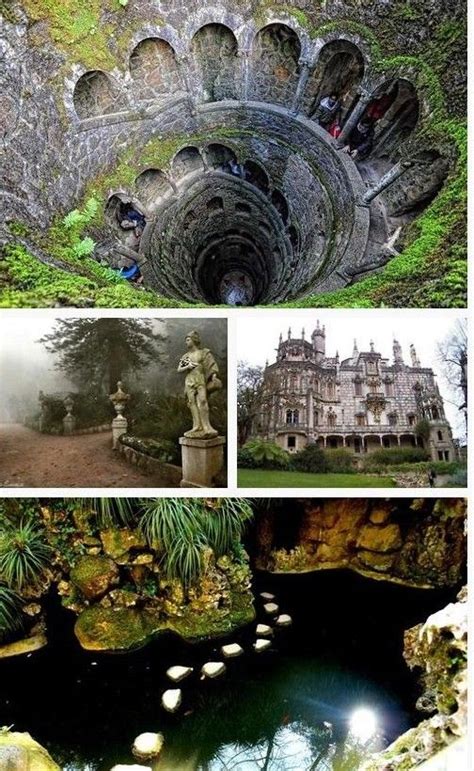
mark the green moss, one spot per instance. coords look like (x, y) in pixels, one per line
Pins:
(77, 29)
(207, 625)
(117, 629)
(406, 12)
(25, 282)
(89, 568)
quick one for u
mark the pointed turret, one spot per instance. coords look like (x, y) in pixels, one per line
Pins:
(415, 362)
(318, 339)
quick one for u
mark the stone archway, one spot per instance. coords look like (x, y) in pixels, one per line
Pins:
(154, 69)
(339, 70)
(214, 48)
(95, 94)
(274, 71)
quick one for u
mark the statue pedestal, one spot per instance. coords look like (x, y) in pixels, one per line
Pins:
(119, 427)
(69, 424)
(202, 460)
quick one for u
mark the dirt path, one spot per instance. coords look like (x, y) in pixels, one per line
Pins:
(30, 459)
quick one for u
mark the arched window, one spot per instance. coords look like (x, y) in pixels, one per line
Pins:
(292, 417)
(332, 419)
(358, 388)
(440, 436)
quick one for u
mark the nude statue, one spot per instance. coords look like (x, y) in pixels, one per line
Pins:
(201, 378)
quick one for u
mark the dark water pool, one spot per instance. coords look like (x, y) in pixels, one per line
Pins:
(297, 707)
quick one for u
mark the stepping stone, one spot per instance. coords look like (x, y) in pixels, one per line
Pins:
(267, 596)
(148, 745)
(171, 699)
(213, 669)
(134, 767)
(284, 620)
(176, 674)
(261, 645)
(271, 608)
(263, 630)
(232, 650)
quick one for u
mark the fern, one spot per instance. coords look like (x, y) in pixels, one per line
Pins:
(83, 248)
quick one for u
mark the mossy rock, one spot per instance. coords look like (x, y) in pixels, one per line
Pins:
(119, 629)
(118, 542)
(20, 752)
(94, 576)
(194, 627)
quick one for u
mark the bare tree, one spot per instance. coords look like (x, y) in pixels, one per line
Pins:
(249, 393)
(452, 356)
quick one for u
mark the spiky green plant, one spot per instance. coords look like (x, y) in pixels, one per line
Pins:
(24, 555)
(10, 612)
(109, 512)
(165, 519)
(184, 527)
(223, 523)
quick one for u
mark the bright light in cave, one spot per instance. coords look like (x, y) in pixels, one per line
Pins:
(363, 724)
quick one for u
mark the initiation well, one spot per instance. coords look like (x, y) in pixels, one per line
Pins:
(209, 125)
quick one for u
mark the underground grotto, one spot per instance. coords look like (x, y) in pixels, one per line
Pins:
(292, 634)
(165, 153)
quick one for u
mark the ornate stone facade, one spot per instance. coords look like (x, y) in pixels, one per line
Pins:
(363, 403)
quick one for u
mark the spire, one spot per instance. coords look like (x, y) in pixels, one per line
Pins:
(302, 334)
(281, 338)
(415, 362)
(372, 349)
(337, 357)
(289, 333)
(355, 350)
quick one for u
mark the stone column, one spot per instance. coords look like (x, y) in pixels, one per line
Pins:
(119, 424)
(244, 56)
(386, 180)
(69, 421)
(354, 118)
(183, 63)
(202, 460)
(300, 88)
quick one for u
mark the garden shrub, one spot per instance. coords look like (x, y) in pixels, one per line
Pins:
(267, 455)
(340, 461)
(312, 460)
(394, 456)
(245, 459)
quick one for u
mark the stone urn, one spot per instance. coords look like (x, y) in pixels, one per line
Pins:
(119, 424)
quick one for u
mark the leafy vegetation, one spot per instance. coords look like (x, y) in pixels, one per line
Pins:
(11, 620)
(24, 554)
(263, 454)
(181, 528)
(109, 512)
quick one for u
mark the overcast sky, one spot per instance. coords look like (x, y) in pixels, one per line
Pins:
(258, 337)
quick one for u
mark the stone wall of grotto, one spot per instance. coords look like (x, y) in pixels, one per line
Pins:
(418, 543)
(115, 584)
(437, 651)
(94, 111)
